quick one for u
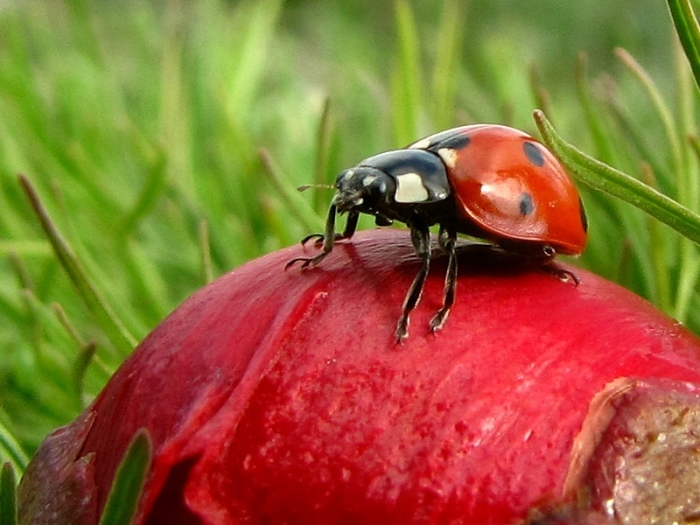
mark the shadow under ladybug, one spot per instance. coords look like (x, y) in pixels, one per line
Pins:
(486, 181)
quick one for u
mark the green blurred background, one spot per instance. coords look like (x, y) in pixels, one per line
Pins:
(165, 139)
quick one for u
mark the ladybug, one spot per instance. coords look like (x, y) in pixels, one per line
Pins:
(487, 181)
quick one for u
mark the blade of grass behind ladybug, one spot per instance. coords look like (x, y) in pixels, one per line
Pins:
(8, 498)
(406, 77)
(688, 32)
(540, 94)
(117, 333)
(125, 494)
(445, 71)
(290, 197)
(664, 114)
(593, 118)
(602, 177)
(324, 139)
(10, 449)
(205, 253)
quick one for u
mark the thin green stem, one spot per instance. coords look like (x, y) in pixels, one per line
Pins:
(112, 326)
(688, 32)
(290, 198)
(11, 449)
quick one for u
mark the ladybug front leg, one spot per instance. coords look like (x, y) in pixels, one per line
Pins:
(448, 243)
(420, 237)
(328, 239)
(349, 231)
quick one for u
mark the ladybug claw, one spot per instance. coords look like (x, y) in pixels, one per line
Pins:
(306, 261)
(292, 262)
(564, 276)
(401, 329)
(317, 236)
(437, 322)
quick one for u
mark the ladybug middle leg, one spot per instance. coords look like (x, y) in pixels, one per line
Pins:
(448, 243)
(420, 237)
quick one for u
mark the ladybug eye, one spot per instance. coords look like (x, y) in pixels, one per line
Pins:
(533, 154)
(526, 205)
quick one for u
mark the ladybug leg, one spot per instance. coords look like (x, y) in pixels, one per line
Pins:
(350, 226)
(349, 231)
(420, 237)
(448, 243)
(328, 239)
(565, 276)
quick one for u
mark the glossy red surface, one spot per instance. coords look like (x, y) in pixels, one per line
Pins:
(281, 397)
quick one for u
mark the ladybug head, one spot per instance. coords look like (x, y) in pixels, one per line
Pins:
(392, 180)
(365, 189)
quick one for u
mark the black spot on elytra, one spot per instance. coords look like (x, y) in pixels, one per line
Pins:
(526, 205)
(533, 153)
(456, 141)
(584, 219)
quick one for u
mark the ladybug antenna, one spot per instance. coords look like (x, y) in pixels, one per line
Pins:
(320, 186)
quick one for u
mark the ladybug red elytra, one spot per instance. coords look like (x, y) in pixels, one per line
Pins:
(487, 181)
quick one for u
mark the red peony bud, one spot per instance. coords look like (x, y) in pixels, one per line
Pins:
(281, 397)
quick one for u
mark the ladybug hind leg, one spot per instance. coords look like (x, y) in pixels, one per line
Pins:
(448, 243)
(565, 276)
(420, 237)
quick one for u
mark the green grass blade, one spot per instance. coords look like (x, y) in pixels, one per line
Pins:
(540, 93)
(8, 498)
(664, 113)
(250, 67)
(661, 292)
(407, 76)
(593, 118)
(113, 328)
(448, 46)
(205, 253)
(602, 177)
(688, 32)
(289, 196)
(123, 499)
(10, 449)
(152, 190)
(324, 139)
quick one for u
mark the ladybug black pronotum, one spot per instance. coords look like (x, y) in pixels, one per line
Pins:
(487, 181)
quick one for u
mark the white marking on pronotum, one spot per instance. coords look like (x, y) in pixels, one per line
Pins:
(368, 180)
(421, 144)
(448, 156)
(441, 195)
(348, 175)
(410, 188)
